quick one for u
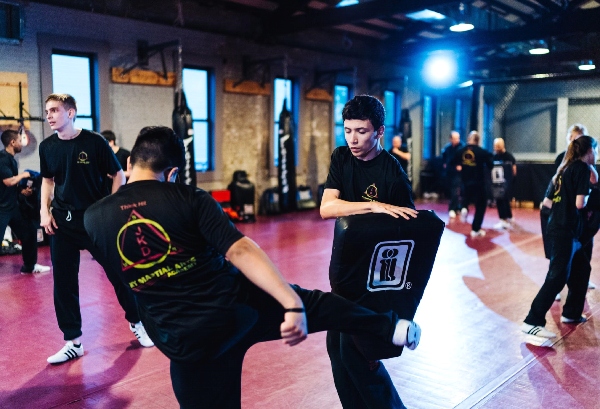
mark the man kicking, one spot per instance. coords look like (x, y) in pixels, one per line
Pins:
(206, 293)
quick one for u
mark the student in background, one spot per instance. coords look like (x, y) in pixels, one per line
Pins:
(509, 169)
(120, 153)
(400, 152)
(452, 175)
(568, 195)
(10, 214)
(74, 163)
(473, 162)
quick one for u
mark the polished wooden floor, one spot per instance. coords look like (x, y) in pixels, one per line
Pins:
(472, 354)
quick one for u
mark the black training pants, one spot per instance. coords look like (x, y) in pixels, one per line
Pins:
(217, 383)
(70, 237)
(476, 194)
(565, 268)
(25, 231)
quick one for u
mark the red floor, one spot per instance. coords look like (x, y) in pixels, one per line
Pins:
(472, 354)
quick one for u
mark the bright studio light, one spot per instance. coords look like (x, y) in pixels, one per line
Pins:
(539, 48)
(539, 51)
(587, 65)
(460, 27)
(440, 70)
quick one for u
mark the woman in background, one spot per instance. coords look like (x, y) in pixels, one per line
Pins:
(569, 194)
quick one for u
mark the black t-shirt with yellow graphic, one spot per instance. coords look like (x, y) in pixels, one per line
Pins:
(380, 179)
(565, 218)
(475, 162)
(79, 167)
(167, 243)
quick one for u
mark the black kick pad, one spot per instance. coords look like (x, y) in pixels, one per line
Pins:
(384, 264)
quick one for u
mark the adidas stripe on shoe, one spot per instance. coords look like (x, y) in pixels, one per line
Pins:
(68, 352)
(140, 333)
(537, 330)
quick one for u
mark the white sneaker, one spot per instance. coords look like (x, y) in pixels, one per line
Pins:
(38, 268)
(407, 333)
(452, 214)
(68, 352)
(479, 233)
(502, 225)
(579, 320)
(140, 333)
(591, 285)
(537, 330)
(463, 214)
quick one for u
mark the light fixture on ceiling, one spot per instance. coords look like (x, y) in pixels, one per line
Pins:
(587, 65)
(539, 48)
(462, 25)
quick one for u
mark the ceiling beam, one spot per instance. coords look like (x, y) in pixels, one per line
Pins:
(550, 5)
(350, 14)
(547, 60)
(536, 7)
(289, 8)
(509, 10)
(580, 22)
(576, 4)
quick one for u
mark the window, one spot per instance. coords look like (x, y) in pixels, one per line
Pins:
(341, 95)
(428, 127)
(74, 74)
(11, 23)
(282, 91)
(391, 118)
(197, 86)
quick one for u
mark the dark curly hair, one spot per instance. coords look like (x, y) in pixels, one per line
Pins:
(365, 107)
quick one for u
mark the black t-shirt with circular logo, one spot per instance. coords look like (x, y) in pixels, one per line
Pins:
(380, 179)
(475, 161)
(79, 167)
(167, 243)
(565, 218)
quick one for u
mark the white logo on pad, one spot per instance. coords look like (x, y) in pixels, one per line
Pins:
(389, 265)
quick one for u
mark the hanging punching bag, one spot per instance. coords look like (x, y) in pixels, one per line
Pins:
(286, 170)
(182, 125)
